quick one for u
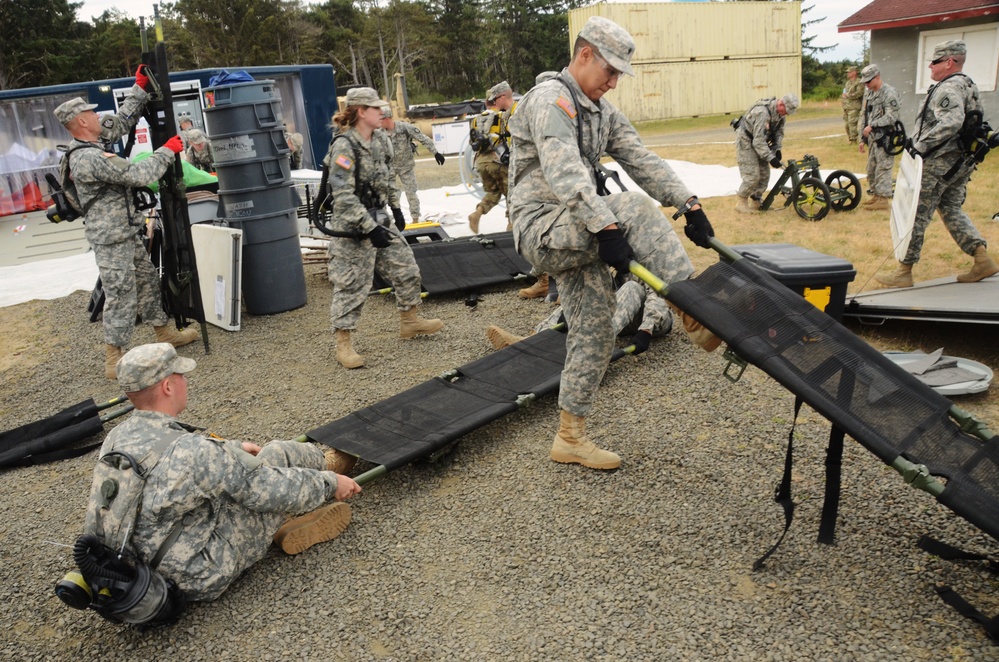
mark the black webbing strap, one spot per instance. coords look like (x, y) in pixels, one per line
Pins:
(783, 492)
(830, 506)
(963, 607)
(950, 596)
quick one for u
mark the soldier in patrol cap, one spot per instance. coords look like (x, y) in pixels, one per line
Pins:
(852, 100)
(104, 183)
(562, 127)
(881, 109)
(362, 183)
(199, 152)
(402, 134)
(946, 171)
(230, 499)
(758, 144)
(489, 132)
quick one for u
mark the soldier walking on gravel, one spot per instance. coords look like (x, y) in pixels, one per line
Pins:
(361, 183)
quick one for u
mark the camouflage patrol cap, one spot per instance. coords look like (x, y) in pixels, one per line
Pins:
(363, 96)
(146, 365)
(851, 69)
(386, 110)
(614, 43)
(65, 112)
(295, 140)
(869, 73)
(498, 90)
(791, 102)
(195, 136)
(949, 48)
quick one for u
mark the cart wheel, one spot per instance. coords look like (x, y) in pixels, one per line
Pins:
(844, 189)
(810, 199)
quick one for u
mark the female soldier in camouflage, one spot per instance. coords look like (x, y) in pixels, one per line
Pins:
(360, 184)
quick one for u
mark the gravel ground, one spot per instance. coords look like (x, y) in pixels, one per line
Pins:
(495, 552)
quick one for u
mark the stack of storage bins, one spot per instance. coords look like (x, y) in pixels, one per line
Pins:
(256, 192)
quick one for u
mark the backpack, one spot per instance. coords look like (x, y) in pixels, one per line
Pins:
(119, 479)
(68, 187)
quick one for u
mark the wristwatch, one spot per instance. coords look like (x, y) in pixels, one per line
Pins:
(693, 202)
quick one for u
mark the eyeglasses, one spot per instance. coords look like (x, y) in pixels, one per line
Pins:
(609, 70)
(941, 59)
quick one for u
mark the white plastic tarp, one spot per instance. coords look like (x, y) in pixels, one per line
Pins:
(904, 202)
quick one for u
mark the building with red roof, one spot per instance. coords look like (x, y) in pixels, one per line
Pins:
(904, 33)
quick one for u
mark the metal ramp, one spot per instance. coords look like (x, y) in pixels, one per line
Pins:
(939, 300)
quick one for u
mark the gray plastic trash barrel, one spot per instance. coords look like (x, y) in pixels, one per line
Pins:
(257, 201)
(242, 145)
(273, 274)
(251, 173)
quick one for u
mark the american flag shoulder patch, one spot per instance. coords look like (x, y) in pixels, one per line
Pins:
(344, 161)
(566, 106)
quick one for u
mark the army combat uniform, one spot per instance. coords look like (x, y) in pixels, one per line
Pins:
(881, 110)
(556, 214)
(404, 165)
(630, 299)
(104, 181)
(231, 503)
(492, 125)
(758, 139)
(852, 99)
(938, 122)
(353, 262)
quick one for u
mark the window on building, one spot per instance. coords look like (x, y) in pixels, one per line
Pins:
(982, 66)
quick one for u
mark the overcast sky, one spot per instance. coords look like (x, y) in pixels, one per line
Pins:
(847, 45)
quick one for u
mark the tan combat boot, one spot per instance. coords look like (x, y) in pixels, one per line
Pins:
(877, 202)
(410, 325)
(983, 267)
(174, 337)
(743, 206)
(112, 354)
(339, 462)
(902, 277)
(536, 291)
(697, 332)
(322, 524)
(501, 338)
(345, 354)
(473, 219)
(572, 446)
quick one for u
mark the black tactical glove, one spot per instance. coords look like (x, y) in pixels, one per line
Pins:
(440, 158)
(400, 220)
(641, 342)
(380, 237)
(775, 162)
(614, 249)
(778, 155)
(698, 228)
(913, 152)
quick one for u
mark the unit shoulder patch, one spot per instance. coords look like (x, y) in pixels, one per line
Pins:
(566, 107)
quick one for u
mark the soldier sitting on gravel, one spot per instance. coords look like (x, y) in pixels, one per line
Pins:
(230, 498)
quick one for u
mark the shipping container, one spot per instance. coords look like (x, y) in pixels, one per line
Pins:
(695, 58)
